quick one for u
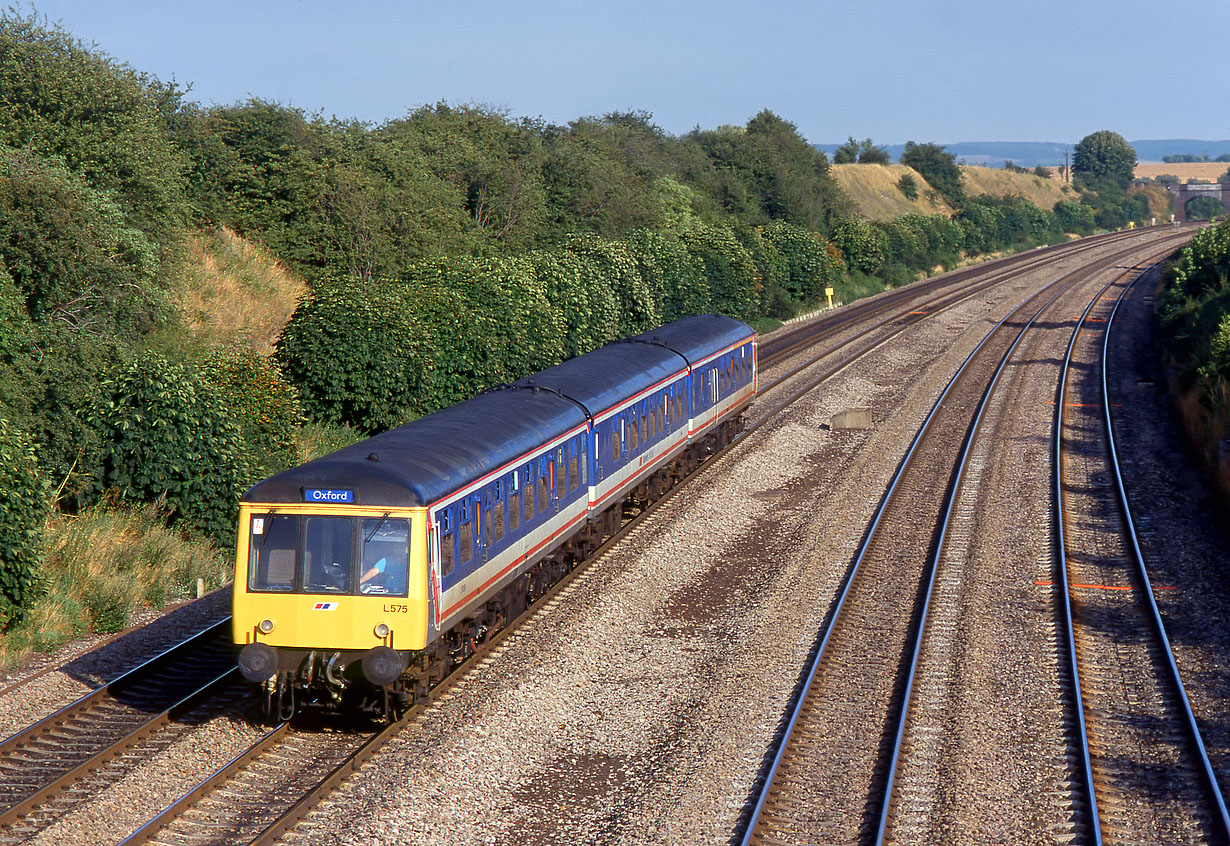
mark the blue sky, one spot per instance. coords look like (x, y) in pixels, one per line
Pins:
(892, 70)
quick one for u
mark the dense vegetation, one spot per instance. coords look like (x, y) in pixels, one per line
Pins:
(445, 252)
(1195, 317)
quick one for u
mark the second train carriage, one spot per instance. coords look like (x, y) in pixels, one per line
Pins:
(369, 571)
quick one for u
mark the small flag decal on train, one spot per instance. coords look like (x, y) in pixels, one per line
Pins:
(325, 606)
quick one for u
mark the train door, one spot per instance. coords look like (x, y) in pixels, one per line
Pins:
(482, 521)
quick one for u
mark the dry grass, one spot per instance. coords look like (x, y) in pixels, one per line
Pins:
(874, 192)
(103, 565)
(1184, 170)
(997, 182)
(232, 290)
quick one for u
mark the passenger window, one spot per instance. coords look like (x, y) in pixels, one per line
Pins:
(572, 473)
(529, 501)
(382, 567)
(327, 551)
(497, 521)
(544, 493)
(271, 553)
(465, 542)
(514, 510)
(446, 553)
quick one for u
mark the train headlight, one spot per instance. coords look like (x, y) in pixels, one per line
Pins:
(265, 626)
(382, 630)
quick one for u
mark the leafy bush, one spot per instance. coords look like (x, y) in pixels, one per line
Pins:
(107, 122)
(734, 286)
(23, 513)
(811, 263)
(1074, 217)
(264, 404)
(620, 272)
(863, 245)
(70, 252)
(357, 354)
(908, 186)
(168, 435)
(684, 288)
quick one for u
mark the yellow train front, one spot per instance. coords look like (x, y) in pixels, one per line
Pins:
(363, 576)
(335, 595)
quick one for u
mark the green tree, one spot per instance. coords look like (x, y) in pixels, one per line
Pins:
(847, 153)
(869, 153)
(107, 122)
(938, 167)
(768, 171)
(70, 251)
(1204, 208)
(1103, 159)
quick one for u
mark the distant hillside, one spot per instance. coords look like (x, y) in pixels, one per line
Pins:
(1050, 153)
(1154, 151)
(997, 182)
(874, 192)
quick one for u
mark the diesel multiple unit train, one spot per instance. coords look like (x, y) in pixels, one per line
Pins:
(365, 576)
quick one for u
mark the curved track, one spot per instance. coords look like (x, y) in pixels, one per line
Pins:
(852, 708)
(59, 761)
(1147, 774)
(327, 759)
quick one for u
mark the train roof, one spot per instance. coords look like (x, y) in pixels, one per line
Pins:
(420, 462)
(610, 375)
(423, 461)
(698, 337)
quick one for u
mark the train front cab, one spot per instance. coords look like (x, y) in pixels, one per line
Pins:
(328, 595)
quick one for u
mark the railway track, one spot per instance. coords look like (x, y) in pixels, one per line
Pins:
(1147, 776)
(261, 807)
(850, 715)
(60, 761)
(254, 790)
(896, 310)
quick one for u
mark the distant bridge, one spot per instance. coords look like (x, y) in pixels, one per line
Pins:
(1185, 193)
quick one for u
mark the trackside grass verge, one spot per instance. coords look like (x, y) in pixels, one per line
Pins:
(103, 565)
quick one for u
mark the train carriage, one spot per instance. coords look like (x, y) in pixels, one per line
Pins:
(370, 572)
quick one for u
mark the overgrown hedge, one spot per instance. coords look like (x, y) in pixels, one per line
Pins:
(23, 515)
(1194, 311)
(372, 355)
(168, 434)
